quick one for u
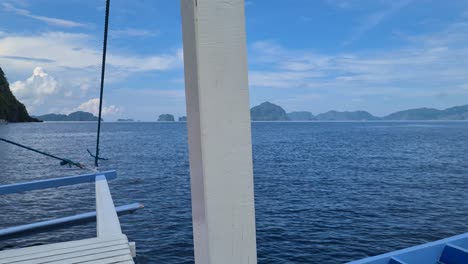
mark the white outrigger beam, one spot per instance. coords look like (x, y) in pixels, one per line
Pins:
(218, 120)
(105, 214)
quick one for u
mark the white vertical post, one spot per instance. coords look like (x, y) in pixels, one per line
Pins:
(220, 151)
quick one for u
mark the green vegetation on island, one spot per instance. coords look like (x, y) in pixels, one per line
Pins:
(271, 112)
(268, 112)
(183, 119)
(452, 113)
(75, 116)
(166, 118)
(346, 116)
(11, 110)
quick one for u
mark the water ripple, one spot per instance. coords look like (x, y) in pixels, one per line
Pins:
(325, 192)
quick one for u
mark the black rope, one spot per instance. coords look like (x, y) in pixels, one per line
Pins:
(63, 161)
(103, 69)
(91, 154)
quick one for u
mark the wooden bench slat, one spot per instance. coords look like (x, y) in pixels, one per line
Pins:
(108, 260)
(66, 254)
(57, 246)
(95, 250)
(101, 257)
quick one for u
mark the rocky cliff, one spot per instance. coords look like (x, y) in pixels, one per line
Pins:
(11, 109)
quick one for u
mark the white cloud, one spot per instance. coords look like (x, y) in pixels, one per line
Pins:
(92, 106)
(36, 88)
(429, 64)
(74, 60)
(65, 51)
(374, 19)
(146, 63)
(148, 103)
(61, 49)
(278, 79)
(132, 32)
(172, 94)
(48, 20)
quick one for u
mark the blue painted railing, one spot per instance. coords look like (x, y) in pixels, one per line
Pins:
(28, 229)
(18, 231)
(54, 183)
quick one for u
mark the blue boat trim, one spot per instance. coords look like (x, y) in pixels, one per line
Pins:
(454, 255)
(452, 250)
(394, 260)
(54, 183)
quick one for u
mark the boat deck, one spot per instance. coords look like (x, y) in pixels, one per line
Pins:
(109, 246)
(89, 251)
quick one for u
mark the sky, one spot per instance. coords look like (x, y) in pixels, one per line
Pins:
(312, 55)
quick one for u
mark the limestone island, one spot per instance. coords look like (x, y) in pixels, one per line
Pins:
(166, 118)
(271, 112)
(75, 116)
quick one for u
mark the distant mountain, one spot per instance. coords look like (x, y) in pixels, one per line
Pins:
(271, 112)
(75, 116)
(53, 117)
(11, 110)
(166, 118)
(346, 116)
(125, 120)
(452, 113)
(268, 112)
(455, 113)
(300, 116)
(414, 114)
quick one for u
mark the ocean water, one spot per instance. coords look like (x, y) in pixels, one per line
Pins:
(324, 192)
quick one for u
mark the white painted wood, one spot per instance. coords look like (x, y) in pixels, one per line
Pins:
(101, 257)
(49, 252)
(91, 254)
(91, 242)
(107, 221)
(111, 246)
(132, 246)
(95, 250)
(218, 115)
(117, 259)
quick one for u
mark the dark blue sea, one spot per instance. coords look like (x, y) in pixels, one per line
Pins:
(324, 192)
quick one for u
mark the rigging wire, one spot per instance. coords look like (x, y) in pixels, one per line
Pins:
(63, 161)
(103, 69)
